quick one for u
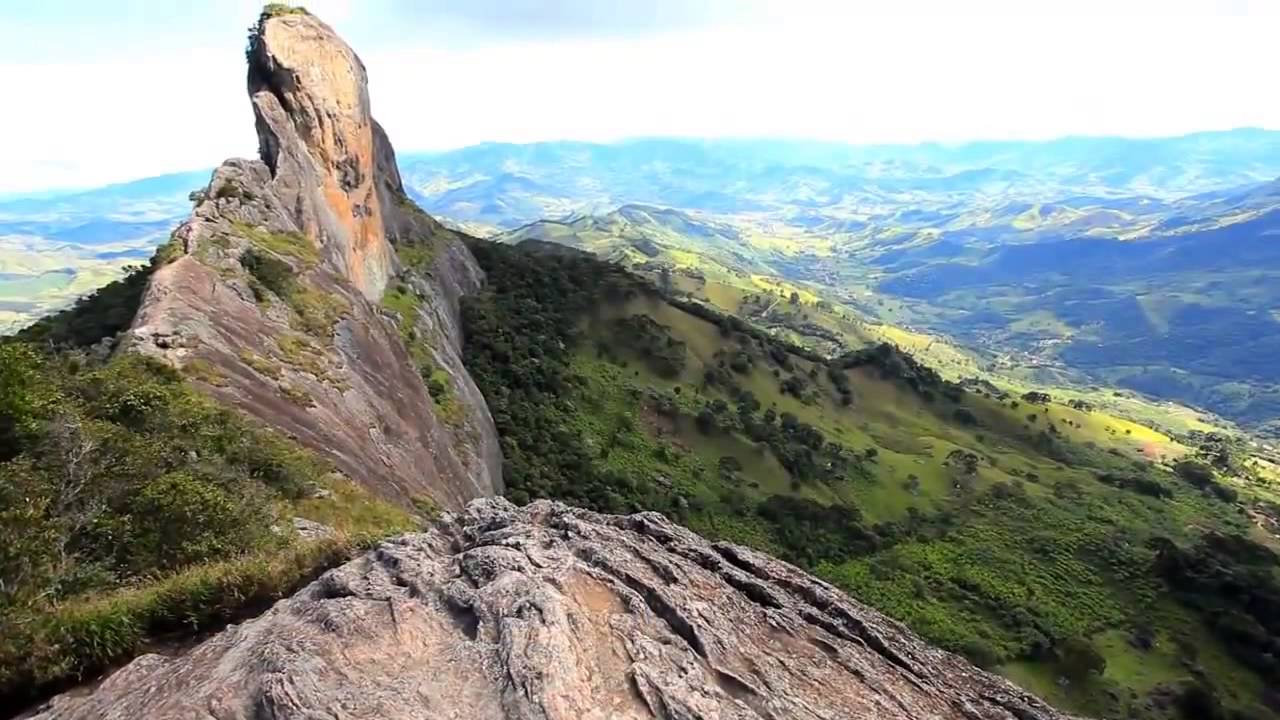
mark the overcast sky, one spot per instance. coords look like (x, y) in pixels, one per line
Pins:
(100, 92)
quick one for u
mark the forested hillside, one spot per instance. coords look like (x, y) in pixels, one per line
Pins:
(1089, 558)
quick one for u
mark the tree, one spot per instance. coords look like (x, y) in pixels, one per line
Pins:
(1079, 660)
(18, 400)
(1194, 472)
(664, 279)
(78, 496)
(963, 462)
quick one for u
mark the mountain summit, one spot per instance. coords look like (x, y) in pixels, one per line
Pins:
(309, 292)
(270, 296)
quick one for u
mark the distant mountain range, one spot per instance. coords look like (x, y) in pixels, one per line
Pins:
(508, 185)
(1151, 264)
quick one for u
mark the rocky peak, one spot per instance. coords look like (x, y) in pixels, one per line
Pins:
(272, 294)
(558, 614)
(311, 103)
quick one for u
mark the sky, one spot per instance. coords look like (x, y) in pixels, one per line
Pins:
(100, 92)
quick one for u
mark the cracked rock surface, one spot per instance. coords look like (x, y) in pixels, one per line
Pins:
(547, 612)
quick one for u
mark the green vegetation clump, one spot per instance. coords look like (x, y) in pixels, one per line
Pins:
(269, 274)
(315, 311)
(416, 255)
(652, 341)
(277, 9)
(1234, 584)
(131, 506)
(301, 353)
(405, 303)
(170, 251)
(292, 245)
(204, 371)
(261, 365)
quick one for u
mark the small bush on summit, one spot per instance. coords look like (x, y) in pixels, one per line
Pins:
(277, 9)
(270, 272)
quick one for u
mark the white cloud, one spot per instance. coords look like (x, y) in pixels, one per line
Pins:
(804, 69)
(851, 77)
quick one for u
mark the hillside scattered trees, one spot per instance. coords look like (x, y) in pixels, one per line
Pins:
(1234, 583)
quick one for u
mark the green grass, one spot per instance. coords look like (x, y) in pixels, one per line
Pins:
(80, 637)
(277, 9)
(300, 352)
(405, 303)
(316, 311)
(261, 365)
(417, 256)
(291, 245)
(184, 519)
(204, 371)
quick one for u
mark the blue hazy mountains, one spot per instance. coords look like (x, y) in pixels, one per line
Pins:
(55, 247)
(1152, 264)
(508, 185)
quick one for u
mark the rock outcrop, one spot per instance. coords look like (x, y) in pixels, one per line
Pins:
(272, 298)
(558, 614)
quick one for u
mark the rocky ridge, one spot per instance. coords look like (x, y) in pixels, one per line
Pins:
(308, 291)
(272, 296)
(554, 613)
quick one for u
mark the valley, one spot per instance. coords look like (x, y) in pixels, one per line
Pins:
(1091, 262)
(998, 526)
(55, 249)
(342, 420)
(1083, 263)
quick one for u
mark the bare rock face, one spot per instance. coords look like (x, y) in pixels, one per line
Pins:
(311, 104)
(272, 299)
(551, 613)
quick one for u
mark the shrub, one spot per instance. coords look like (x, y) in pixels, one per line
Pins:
(130, 505)
(270, 273)
(277, 9)
(1079, 659)
(1194, 472)
(181, 518)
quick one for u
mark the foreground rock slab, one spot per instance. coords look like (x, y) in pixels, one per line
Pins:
(550, 612)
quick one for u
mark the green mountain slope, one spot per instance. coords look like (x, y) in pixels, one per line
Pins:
(1043, 540)
(1147, 264)
(743, 272)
